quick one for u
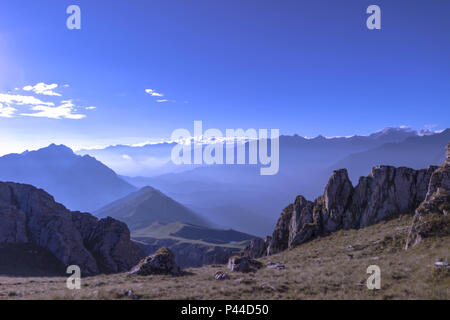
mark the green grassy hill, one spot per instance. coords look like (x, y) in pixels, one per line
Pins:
(184, 232)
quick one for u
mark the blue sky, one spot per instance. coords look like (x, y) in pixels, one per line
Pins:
(306, 67)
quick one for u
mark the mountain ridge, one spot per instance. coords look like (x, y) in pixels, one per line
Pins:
(80, 182)
(133, 160)
(146, 206)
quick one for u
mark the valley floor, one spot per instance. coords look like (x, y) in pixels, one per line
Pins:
(326, 268)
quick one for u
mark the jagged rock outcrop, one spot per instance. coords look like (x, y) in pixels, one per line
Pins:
(433, 215)
(109, 242)
(257, 247)
(30, 215)
(297, 224)
(336, 200)
(391, 191)
(386, 193)
(441, 177)
(162, 262)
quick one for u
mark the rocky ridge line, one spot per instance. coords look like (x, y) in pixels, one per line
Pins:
(386, 193)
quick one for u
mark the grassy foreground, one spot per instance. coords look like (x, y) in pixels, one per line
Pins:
(326, 268)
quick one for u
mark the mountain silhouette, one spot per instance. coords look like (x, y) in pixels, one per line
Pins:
(146, 206)
(79, 182)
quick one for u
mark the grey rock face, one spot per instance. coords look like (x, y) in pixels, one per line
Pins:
(298, 222)
(13, 220)
(336, 200)
(50, 225)
(304, 222)
(257, 247)
(281, 234)
(440, 178)
(30, 215)
(437, 202)
(386, 193)
(110, 244)
(85, 223)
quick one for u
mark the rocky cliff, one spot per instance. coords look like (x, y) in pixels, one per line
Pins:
(432, 217)
(386, 193)
(31, 216)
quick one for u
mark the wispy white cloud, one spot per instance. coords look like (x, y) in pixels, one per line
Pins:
(22, 100)
(6, 112)
(153, 93)
(126, 157)
(65, 111)
(11, 103)
(44, 89)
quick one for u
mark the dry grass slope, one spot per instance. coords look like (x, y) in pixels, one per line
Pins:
(326, 268)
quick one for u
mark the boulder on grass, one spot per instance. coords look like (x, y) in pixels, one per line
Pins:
(243, 264)
(162, 262)
(220, 275)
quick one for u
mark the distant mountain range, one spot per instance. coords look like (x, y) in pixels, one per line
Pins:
(147, 160)
(219, 196)
(152, 160)
(79, 182)
(238, 197)
(414, 152)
